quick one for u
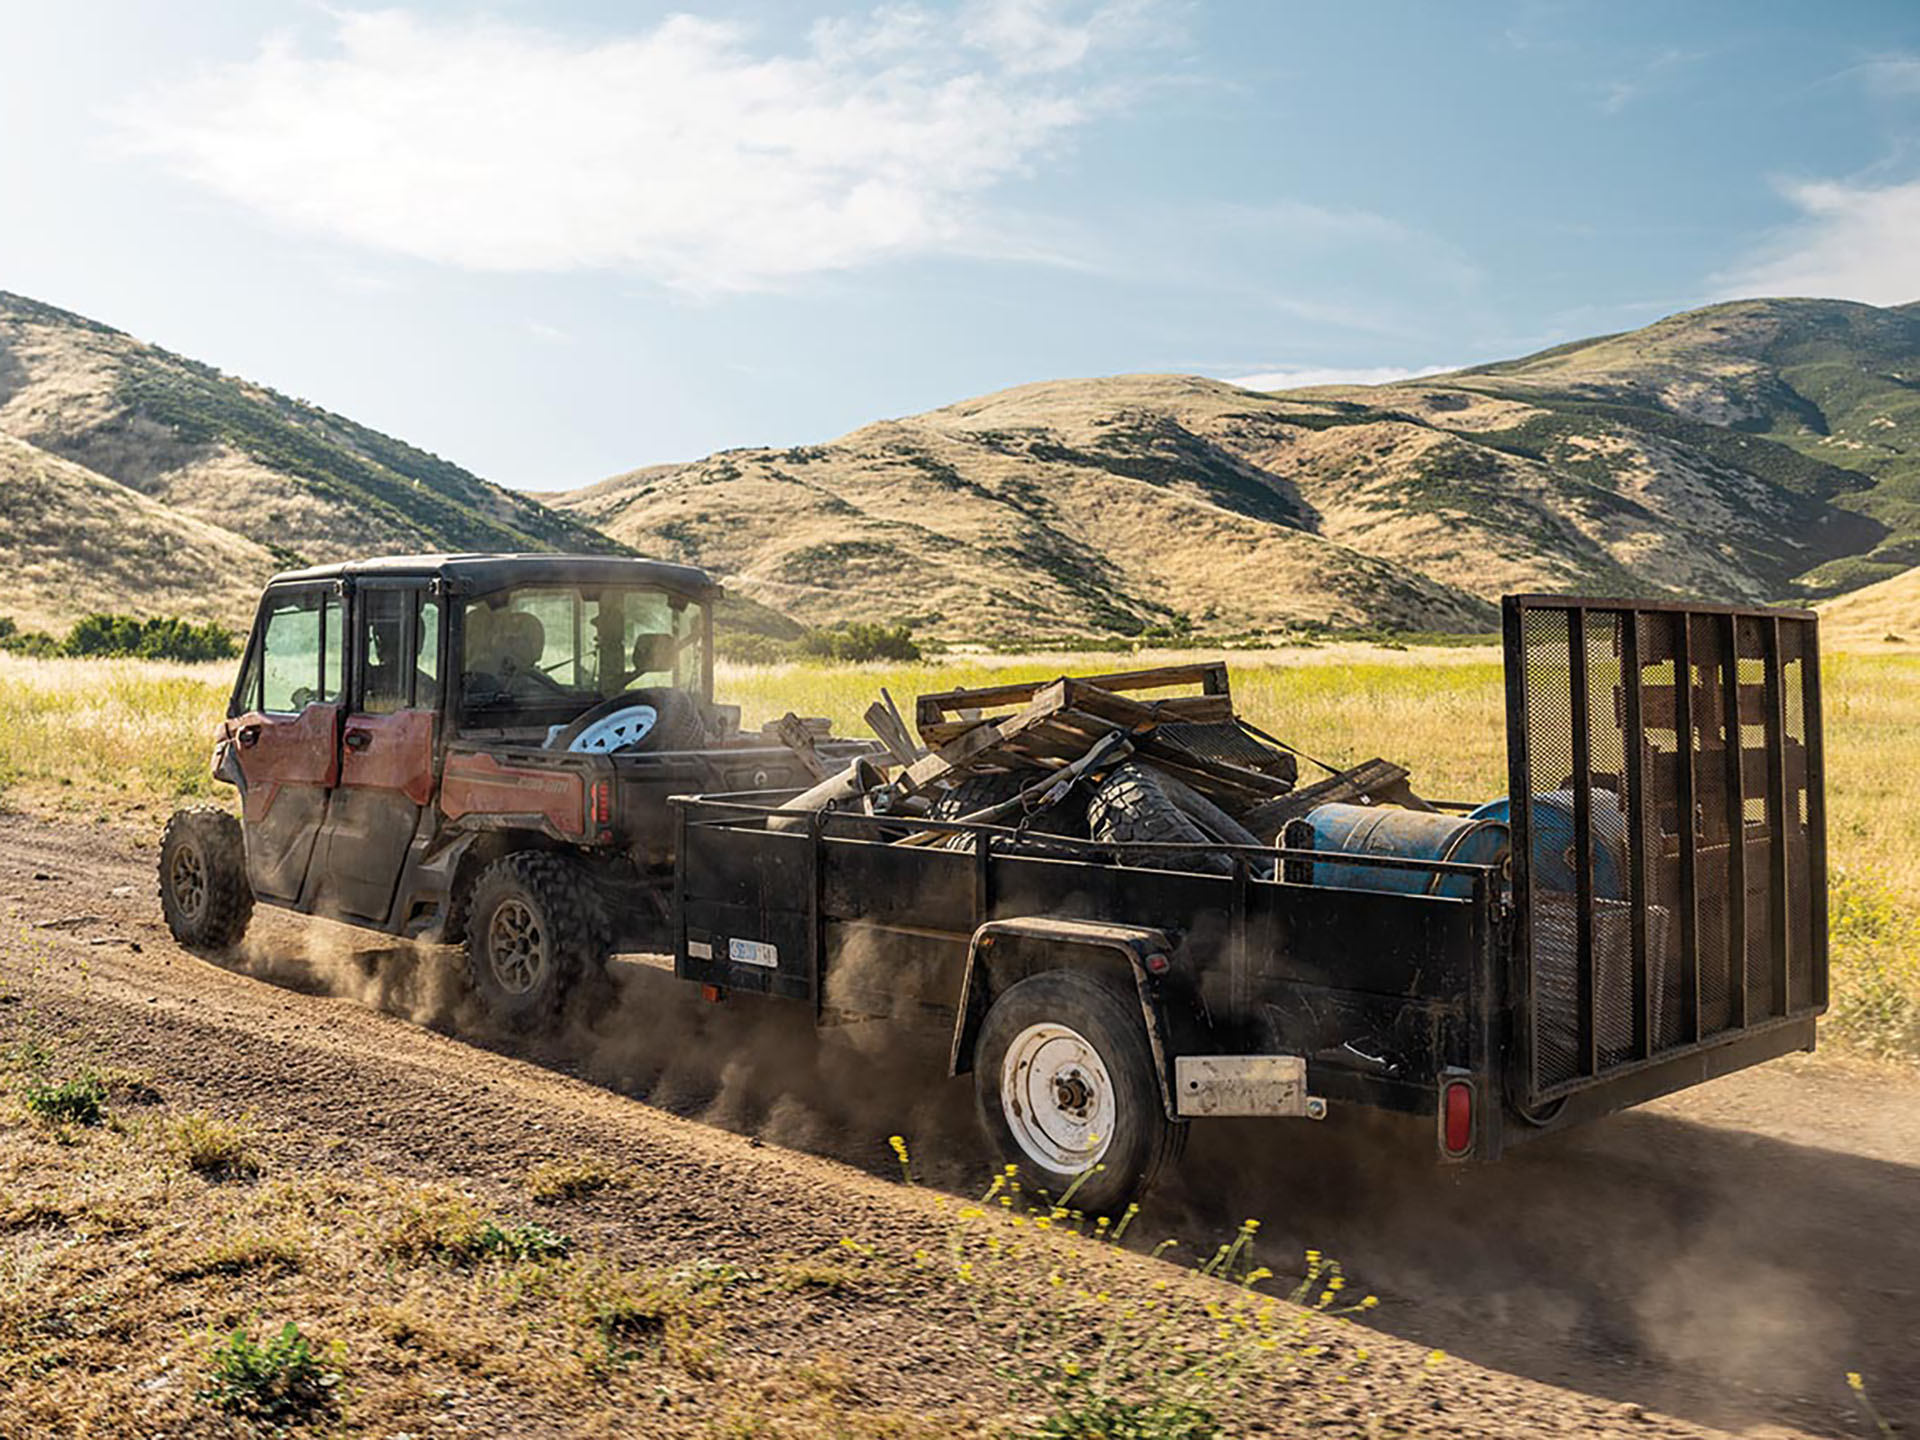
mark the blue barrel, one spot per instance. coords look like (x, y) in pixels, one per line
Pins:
(1406, 835)
(1553, 832)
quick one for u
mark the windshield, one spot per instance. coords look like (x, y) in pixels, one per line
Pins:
(558, 649)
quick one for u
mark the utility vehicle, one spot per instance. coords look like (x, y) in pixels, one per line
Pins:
(473, 749)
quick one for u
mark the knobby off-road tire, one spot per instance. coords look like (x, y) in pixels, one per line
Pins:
(1067, 820)
(535, 928)
(1065, 1088)
(1136, 806)
(204, 892)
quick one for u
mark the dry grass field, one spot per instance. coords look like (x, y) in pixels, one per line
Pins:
(125, 739)
(476, 1245)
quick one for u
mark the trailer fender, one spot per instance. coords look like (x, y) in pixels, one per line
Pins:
(1003, 952)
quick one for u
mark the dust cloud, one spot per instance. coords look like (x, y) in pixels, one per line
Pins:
(1643, 1257)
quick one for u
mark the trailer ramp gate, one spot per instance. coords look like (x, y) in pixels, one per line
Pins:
(1669, 834)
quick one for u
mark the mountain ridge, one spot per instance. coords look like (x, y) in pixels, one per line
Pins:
(1747, 451)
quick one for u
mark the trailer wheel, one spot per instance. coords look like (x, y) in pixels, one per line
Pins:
(205, 895)
(535, 926)
(1065, 1087)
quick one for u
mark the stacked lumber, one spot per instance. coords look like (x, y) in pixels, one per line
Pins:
(1109, 759)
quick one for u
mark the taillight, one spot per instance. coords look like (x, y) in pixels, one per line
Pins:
(602, 802)
(1456, 1119)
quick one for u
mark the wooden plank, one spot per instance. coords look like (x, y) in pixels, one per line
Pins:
(966, 752)
(1237, 777)
(1369, 781)
(794, 733)
(1211, 674)
(1190, 709)
(892, 733)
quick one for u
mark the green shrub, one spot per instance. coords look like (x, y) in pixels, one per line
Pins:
(81, 1100)
(861, 641)
(157, 638)
(278, 1382)
(162, 637)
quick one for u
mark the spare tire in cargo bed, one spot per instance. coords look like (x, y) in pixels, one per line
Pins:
(1136, 805)
(985, 789)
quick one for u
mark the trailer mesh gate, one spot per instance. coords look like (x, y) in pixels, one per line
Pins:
(1668, 830)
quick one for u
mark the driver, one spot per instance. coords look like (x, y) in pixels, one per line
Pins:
(520, 640)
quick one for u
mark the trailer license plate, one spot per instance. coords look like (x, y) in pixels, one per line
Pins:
(754, 952)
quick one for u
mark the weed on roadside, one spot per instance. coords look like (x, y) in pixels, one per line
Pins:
(447, 1226)
(277, 1383)
(555, 1180)
(78, 1100)
(218, 1149)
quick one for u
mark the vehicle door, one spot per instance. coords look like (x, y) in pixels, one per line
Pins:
(284, 723)
(387, 746)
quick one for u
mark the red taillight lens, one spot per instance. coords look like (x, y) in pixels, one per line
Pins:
(602, 802)
(1456, 1119)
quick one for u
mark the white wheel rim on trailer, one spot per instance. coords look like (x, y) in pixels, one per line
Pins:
(1058, 1098)
(623, 727)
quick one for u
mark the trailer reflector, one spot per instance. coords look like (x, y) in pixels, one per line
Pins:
(1456, 1119)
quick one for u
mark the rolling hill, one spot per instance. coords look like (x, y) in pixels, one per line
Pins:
(1886, 611)
(136, 479)
(1752, 451)
(1756, 450)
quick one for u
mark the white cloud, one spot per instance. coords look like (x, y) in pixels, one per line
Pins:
(1853, 242)
(683, 154)
(1299, 379)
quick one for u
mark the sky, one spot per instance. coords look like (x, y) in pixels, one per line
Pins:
(556, 241)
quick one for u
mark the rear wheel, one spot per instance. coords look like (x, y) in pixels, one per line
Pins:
(204, 892)
(535, 926)
(1065, 1087)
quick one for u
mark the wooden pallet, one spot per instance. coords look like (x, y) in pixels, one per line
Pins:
(946, 715)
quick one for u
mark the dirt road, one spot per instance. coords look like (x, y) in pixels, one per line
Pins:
(1717, 1260)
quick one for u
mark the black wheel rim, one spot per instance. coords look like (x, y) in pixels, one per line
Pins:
(188, 881)
(516, 947)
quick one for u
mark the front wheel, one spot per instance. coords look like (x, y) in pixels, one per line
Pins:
(535, 926)
(1065, 1087)
(205, 895)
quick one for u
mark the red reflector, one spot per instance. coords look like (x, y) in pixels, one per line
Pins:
(1457, 1108)
(712, 994)
(1157, 964)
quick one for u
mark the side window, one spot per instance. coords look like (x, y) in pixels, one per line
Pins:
(427, 667)
(332, 648)
(383, 652)
(290, 646)
(246, 695)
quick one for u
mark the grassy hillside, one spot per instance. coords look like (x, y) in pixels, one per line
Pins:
(306, 484)
(72, 542)
(1887, 612)
(1750, 452)
(1833, 383)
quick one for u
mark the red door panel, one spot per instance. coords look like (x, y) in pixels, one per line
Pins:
(386, 776)
(289, 763)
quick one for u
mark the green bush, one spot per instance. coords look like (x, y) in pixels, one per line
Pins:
(861, 641)
(278, 1382)
(158, 638)
(79, 1101)
(162, 637)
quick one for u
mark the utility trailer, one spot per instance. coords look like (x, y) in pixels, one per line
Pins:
(1657, 920)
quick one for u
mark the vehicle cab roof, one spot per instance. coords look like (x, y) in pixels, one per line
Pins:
(477, 574)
